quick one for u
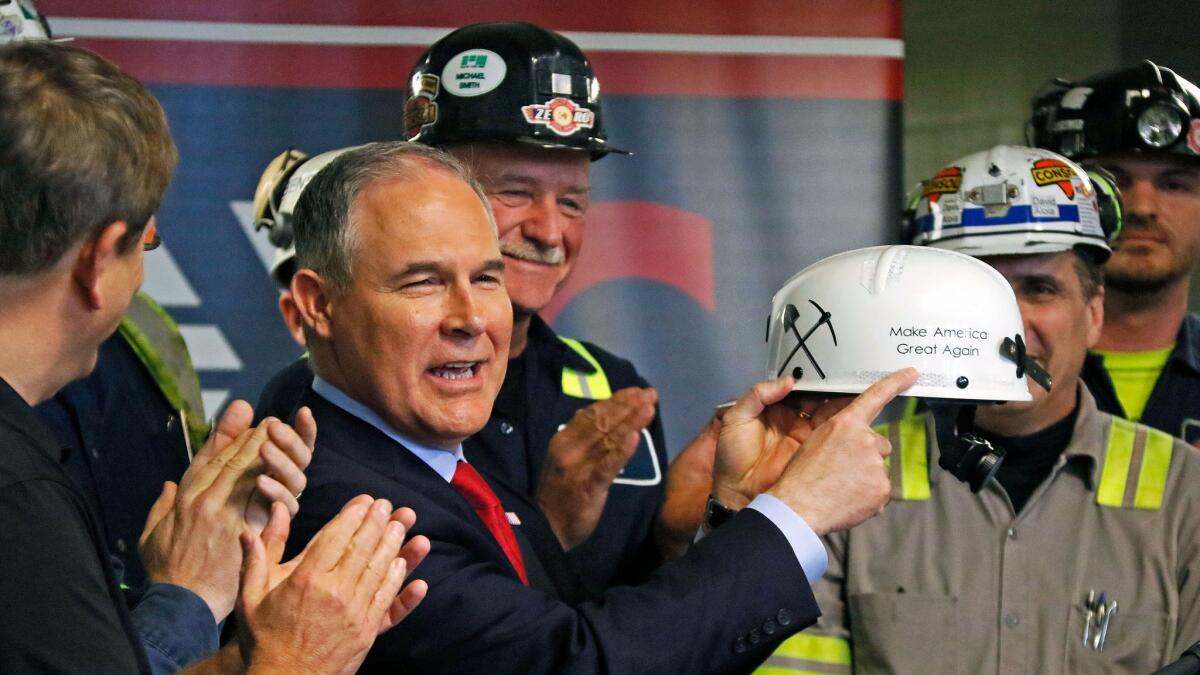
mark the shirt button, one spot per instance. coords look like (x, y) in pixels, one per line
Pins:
(1012, 620)
(783, 617)
(506, 428)
(1012, 534)
(95, 452)
(121, 545)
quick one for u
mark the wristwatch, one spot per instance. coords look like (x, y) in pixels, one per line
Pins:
(716, 514)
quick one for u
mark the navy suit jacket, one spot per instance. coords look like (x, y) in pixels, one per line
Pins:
(723, 607)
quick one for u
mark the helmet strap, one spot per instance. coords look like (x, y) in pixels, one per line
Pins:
(965, 454)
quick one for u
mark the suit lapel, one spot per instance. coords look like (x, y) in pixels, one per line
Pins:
(547, 566)
(372, 448)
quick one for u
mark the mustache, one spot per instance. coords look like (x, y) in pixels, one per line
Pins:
(532, 252)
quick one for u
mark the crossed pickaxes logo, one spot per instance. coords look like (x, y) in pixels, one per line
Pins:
(790, 316)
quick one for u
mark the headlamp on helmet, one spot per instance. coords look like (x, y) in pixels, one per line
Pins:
(1145, 108)
(1159, 125)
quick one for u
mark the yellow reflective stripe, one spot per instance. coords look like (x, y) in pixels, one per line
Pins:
(155, 338)
(582, 385)
(1156, 461)
(572, 384)
(819, 648)
(1117, 458)
(914, 460)
(782, 670)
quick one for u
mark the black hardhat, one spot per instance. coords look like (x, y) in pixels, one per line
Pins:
(507, 82)
(1144, 108)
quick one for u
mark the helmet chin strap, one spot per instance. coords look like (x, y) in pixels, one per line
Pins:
(964, 453)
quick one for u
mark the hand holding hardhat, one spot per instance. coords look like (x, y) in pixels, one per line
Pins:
(831, 474)
(844, 322)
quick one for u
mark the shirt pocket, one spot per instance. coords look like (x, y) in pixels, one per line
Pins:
(1135, 643)
(904, 633)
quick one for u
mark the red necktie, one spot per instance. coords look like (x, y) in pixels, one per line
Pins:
(487, 506)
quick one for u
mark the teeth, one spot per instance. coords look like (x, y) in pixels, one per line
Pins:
(455, 371)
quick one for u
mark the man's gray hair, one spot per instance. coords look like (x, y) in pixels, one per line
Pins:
(323, 220)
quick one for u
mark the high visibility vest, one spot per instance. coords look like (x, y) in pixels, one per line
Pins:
(156, 340)
(1130, 448)
(579, 384)
(1134, 475)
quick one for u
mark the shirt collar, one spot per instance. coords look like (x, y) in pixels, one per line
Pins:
(1187, 343)
(16, 413)
(442, 460)
(1086, 447)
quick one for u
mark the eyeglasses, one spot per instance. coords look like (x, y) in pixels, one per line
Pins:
(150, 238)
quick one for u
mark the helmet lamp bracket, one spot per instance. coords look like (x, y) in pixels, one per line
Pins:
(1013, 349)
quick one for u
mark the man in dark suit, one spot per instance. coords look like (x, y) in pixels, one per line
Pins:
(401, 287)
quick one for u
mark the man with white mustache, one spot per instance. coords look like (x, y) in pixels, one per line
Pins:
(574, 426)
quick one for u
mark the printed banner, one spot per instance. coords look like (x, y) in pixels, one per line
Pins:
(766, 135)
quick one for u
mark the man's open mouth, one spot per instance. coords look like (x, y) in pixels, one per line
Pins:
(458, 370)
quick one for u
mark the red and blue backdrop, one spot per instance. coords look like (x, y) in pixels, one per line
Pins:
(766, 136)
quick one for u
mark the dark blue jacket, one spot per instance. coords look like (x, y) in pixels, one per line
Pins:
(122, 440)
(513, 450)
(1174, 403)
(514, 444)
(692, 615)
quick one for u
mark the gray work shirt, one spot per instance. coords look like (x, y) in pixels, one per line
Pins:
(946, 581)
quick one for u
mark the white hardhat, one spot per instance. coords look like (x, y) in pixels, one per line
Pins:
(279, 188)
(1013, 200)
(19, 20)
(843, 323)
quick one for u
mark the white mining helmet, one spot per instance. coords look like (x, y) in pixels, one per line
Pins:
(841, 324)
(279, 188)
(1013, 200)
